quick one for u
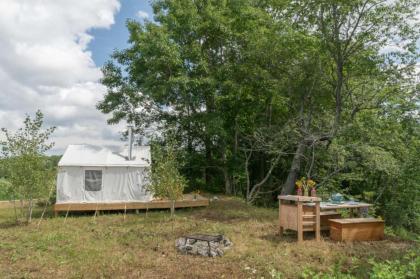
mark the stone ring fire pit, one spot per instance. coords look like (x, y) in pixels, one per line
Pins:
(203, 244)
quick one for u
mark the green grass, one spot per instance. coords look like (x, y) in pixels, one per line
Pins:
(142, 245)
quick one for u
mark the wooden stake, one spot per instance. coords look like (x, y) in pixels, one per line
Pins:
(46, 204)
(43, 212)
(125, 210)
(67, 213)
(96, 212)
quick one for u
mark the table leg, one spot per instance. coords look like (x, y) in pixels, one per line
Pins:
(317, 222)
(299, 222)
(280, 224)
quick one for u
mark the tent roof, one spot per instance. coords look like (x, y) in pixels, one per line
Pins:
(91, 155)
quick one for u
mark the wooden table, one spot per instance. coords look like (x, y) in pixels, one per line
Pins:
(294, 216)
(301, 213)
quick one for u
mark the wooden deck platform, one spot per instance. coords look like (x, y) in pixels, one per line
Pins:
(187, 201)
(17, 203)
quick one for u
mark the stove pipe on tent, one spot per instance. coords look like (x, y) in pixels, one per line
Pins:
(130, 142)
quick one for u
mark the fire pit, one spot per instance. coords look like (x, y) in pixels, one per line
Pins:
(203, 244)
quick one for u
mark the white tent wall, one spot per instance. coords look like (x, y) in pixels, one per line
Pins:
(119, 184)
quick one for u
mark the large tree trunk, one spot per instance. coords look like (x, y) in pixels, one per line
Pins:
(209, 159)
(228, 184)
(225, 170)
(289, 185)
(253, 191)
(338, 95)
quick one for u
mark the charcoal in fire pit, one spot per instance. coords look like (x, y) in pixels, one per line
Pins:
(203, 244)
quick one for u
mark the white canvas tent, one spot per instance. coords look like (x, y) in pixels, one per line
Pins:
(92, 174)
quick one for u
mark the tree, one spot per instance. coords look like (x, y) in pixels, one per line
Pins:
(166, 182)
(259, 93)
(352, 35)
(190, 74)
(25, 163)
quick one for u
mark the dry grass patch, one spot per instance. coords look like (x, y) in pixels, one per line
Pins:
(143, 246)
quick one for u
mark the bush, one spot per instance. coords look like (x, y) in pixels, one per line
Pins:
(167, 182)
(408, 268)
(4, 190)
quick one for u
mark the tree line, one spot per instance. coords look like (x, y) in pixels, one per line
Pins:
(261, 93)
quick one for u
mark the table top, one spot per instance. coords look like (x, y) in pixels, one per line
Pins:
(346, 204)
(310, 201)
(299, 198)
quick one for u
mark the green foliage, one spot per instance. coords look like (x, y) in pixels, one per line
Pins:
(166, 182)
(408, 267)
(5, 188)
(26, 166)
(276, 274)
(259, 93)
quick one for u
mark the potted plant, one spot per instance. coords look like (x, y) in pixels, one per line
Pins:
(312, 184)
(307, 185)
(299, 187)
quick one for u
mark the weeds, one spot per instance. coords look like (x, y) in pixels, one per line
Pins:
(143, 246)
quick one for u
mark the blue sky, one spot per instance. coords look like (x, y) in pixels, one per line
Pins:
(51, 53)
(106, 40)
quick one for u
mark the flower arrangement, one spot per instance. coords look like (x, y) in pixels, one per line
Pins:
(306, 184)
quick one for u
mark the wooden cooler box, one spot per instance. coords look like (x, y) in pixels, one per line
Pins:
(356, 229)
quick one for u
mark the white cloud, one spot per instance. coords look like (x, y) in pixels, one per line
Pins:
(142, 14)
(45, 64)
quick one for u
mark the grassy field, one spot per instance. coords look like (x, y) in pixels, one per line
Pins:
(142, 246)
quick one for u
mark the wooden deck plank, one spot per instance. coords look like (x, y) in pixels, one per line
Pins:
(11, 204)
(155, 204)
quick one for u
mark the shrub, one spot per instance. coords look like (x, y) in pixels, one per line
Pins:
(167, 182)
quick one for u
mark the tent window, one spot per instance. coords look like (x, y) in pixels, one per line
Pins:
(93, 180)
